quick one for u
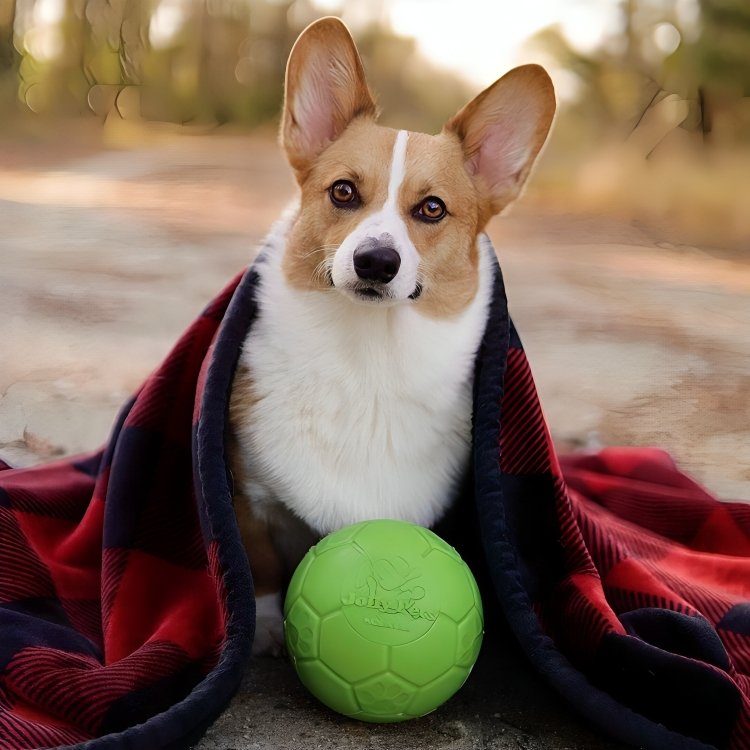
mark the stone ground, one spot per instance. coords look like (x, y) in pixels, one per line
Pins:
(502, 705)
(107, 255)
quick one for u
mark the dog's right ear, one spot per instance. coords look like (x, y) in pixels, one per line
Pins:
(325, 90)
(502, 130)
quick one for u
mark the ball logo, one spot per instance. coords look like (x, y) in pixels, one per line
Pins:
(385, 595)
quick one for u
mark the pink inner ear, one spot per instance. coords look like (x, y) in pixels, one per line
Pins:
(504, 148)
(314, 104)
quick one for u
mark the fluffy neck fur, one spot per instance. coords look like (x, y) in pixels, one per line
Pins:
(357, 412)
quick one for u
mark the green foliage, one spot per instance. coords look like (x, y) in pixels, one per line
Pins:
(722, 54)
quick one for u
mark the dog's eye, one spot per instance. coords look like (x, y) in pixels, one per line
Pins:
(431, 209)
(344, 194)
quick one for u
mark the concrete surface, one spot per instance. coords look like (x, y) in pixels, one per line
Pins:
(503, 705)
(107, 256)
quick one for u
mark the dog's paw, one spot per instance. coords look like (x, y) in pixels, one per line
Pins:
(269, 626)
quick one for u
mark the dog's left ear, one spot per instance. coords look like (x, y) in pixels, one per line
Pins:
(502, 130)
(325, 90)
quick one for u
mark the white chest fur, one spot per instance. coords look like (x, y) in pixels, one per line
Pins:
(358, 412)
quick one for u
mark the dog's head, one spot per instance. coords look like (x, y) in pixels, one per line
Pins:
(388, 217)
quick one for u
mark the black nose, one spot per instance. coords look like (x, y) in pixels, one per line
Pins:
(376, 263)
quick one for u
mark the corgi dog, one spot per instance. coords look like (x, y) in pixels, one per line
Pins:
(352, 397)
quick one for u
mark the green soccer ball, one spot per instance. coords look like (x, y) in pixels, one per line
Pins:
(383, 621)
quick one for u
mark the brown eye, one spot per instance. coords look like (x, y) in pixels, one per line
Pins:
(431, 209)
(344, 194)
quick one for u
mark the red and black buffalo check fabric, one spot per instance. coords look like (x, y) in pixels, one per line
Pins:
(126, 604)
(626, 582)
(639, 576)
(112, 595)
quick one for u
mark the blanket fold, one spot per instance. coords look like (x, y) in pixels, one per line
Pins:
(126, 600)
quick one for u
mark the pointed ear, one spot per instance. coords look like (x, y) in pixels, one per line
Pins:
(503, 129)
(325, 90)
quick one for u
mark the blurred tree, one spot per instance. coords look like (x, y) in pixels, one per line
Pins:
(698, 51)
(7, 16)
(720, 61)
(722, 52)
(614, 86)
(200, 60)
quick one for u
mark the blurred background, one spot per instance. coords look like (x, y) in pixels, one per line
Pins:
(212, 63)
(139, 171)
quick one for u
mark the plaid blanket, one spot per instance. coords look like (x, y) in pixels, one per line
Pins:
(126, 601)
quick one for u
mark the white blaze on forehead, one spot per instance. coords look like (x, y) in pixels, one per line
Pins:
(398, 167)
(388, 221)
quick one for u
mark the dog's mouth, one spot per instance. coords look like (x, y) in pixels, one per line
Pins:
(376, 292)
(372, 292)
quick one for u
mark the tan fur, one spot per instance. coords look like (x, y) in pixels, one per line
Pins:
(361, 154)
(434, 167)
(438, 166)
(525, 94)
(351, 98)
(449, 259)
(265, 560)
(271, 540)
